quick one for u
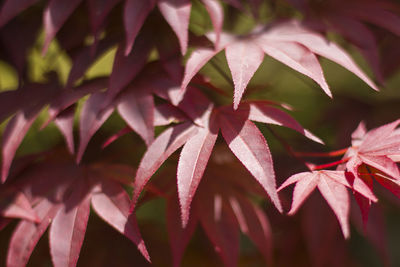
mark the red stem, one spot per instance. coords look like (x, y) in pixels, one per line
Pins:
(335, 153)
(335, 163)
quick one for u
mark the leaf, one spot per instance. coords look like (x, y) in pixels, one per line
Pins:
(54, 16)
(254, 223)
(250, 147)
(192, 164)
(179, 237)
(27, 234)
(65, 123)
(216, 13)
(293, 31)
(165, 114)
(112, 205)
(177, 14)
(219, 223)
(244, 58)
(11, 8)
(85, 57)
(197, 60)
(298, 58)
(68, 97)
(98, 11)
(125, 68)
(13, 135)
(14, 204)
(92, 117)
(68, 228)
(136, 107)
(135, 13)
(264, 112)
(162, 147)
(338, 199)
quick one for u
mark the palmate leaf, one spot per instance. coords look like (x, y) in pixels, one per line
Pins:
(289, 42)
(332, 185)
(62, 200)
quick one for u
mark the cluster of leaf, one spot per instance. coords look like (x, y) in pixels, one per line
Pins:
(150, 86)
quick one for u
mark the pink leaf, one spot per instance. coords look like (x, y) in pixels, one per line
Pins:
(294, 32)
(216, 13)
(135, 13)
(65, 123)
(112, 205)
(136, 107)
(338, 199)
(162, 147)
(27, 234)
(298, 58)
(266, 113)
(244, 58)
(165, 114)
(192, 164)
(92, 117)
(197, 60)
(126, 68)
(305, 185)
(54, 16)
(68, 228)
(250, 147)
(13, 135)
(177, 14)
(14, 204)
(11, 8)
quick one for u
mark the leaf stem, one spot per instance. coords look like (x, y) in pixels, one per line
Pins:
(327, 165)
(335, 153)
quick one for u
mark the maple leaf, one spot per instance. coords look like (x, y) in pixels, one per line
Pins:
(351, 20)
(289, 42)
(61, 197)
(332, 185)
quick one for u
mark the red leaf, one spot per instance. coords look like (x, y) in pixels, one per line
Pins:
(27, 234)
(266, 113)
(254, 223)
(216, 13)
(11, 8)
(65, 123)
(98, 11)
(135, 13)
(298, 58)
(177, 14)
(136, 107)
(218, 221)
(126, 68)
(244, 58)
(197, 60)
(69, 97)
(68, 228)
(250, 147)
(112, 205)
(294, 32)
(14, 204)
(179, 237)
(162, 147)
(54, 16)
(192, 164)
(82, 60)
(338, 199)
(92, 117)
(165, 114)
(13, 135)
